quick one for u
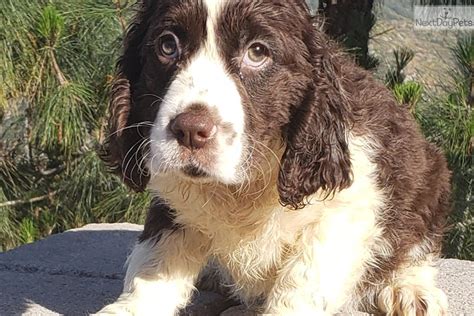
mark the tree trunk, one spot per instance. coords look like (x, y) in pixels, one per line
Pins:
(350, 22)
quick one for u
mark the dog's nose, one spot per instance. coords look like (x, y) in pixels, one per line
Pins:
(193, 129)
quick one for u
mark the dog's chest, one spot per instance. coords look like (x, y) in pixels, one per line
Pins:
(251, 261)
(250, 266)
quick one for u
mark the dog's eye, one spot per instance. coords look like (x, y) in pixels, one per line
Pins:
(169, 46)
(256, 56)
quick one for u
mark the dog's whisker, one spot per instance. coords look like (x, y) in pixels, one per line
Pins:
(133, 126)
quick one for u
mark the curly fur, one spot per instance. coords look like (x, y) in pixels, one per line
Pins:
(342, 203)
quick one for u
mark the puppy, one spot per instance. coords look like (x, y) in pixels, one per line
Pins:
(272, 154)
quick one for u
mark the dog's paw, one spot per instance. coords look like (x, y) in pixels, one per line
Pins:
(411, 301)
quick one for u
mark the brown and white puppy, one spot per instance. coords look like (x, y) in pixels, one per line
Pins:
(272, 154)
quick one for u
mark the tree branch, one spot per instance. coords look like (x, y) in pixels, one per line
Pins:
(119, 9)
(382, 33)
(30, 201)
(59, 74)
(51, 172)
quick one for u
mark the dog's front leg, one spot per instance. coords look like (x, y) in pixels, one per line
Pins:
(320, 275)
(161, 274)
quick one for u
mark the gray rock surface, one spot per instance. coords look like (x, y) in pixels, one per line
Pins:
(80, 271)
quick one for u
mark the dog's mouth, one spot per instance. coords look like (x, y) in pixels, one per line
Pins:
(195, 172)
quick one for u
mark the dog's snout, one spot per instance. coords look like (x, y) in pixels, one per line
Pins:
(193, 129)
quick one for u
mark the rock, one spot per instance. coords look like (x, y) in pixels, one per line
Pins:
(70, 274)
(80, 271)
(456, 278)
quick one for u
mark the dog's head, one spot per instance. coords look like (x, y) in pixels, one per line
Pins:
(206, 87)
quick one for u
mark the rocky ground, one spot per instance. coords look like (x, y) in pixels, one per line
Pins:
(433, 60)
(78, 272)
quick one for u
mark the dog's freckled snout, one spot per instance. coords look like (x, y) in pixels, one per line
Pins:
(193, 129)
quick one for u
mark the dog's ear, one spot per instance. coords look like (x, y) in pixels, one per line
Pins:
(125, 143)
(317, 158)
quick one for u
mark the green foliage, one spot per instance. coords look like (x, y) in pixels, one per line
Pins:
(449, 122)
(56, 61)
(50, 26)
(455, 131)
(408, 93)
(395, 76)
(27, 231)
(62, 121)
(7, 231)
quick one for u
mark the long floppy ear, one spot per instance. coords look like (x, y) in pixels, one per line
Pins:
(125, 144)
(317, 158)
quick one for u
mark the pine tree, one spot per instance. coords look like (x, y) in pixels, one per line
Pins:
(56, 62)
(350, 21)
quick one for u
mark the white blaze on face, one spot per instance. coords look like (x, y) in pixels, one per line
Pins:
(206, 82)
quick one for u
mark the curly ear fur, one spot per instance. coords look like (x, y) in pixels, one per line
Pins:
(125, 144)
(124, 148)
(317, 155)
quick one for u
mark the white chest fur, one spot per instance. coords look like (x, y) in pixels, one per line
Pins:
(255, 238)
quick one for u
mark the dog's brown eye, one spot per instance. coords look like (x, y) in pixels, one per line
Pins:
(256, 55)
(169, 46)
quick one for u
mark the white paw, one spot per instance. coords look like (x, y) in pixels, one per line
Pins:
(412, 301)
